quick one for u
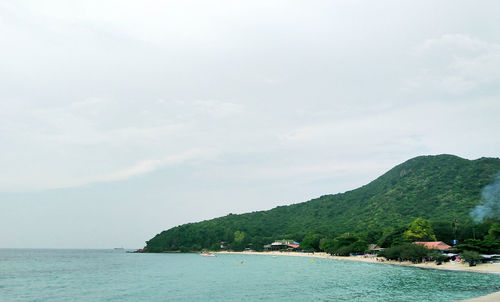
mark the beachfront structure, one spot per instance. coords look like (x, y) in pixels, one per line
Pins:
(434, 245)
(374, 248)
(495, 258)
(279, 245)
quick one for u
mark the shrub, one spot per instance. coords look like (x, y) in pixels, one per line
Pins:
(406, 252)
(471, 257)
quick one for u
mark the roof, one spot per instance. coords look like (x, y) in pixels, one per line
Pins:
(494, 256)
(374, 247)
(434, 245)
(450, 254)
(293, 245)
(284, 242)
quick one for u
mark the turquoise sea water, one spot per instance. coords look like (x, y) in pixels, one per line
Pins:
(107, 275)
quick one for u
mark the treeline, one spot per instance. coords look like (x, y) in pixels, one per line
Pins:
(398, 243)
(471, 250)
(442, 190)
(483, 237)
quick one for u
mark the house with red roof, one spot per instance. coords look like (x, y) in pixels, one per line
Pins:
(434, 245)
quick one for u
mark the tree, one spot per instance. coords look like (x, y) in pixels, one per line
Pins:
(471, 257)
(493, 232)
(410, 252)
(344, 245)
(392, 237)
(327, 245)
(420, 230)
(345, 239)
(471, 245)
(491, 241)
(239, 241)
(311, 242)
(359, 246)
(444, 230)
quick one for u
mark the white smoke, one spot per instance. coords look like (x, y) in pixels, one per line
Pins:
(491, 202)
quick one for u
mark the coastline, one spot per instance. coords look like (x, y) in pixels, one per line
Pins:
(488, 268)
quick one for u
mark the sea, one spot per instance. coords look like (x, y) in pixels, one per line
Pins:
(114, 275)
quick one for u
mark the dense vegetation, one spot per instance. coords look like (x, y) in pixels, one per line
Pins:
(408, 252)
(442, 190)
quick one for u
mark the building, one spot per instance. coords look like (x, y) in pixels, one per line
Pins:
(285, 244)
(374, 248)
(434, 245)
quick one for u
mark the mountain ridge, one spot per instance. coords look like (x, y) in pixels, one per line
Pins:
(439, 188)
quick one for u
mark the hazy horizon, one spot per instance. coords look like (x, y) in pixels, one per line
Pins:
(119, 120)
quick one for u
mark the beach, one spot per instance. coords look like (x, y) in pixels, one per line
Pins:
(489, 268)
(493, 268)
(494, 297)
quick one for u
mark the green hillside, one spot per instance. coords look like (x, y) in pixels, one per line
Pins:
(437, 188)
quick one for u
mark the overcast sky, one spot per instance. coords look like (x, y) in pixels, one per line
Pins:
(120, 119)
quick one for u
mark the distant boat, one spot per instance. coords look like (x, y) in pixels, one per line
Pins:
(208, 255)
(119, 249)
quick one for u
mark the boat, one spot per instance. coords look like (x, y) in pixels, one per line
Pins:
(208, 255)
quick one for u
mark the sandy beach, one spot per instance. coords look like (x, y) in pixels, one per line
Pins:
(494, 297)
(491, 268)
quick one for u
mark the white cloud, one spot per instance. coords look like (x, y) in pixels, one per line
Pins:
(111, 89)
(150, 165)
(457, 64)
(218, 109)
(453, 44)
(103, 140)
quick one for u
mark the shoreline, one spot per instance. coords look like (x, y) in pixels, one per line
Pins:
(487, 268)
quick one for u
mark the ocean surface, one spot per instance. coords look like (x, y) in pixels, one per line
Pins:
(109, 275)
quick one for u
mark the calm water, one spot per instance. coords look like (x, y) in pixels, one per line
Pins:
(100, 275)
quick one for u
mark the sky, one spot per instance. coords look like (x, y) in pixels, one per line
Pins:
(120, 119)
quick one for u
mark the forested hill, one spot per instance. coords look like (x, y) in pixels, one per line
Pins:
(437, 188)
